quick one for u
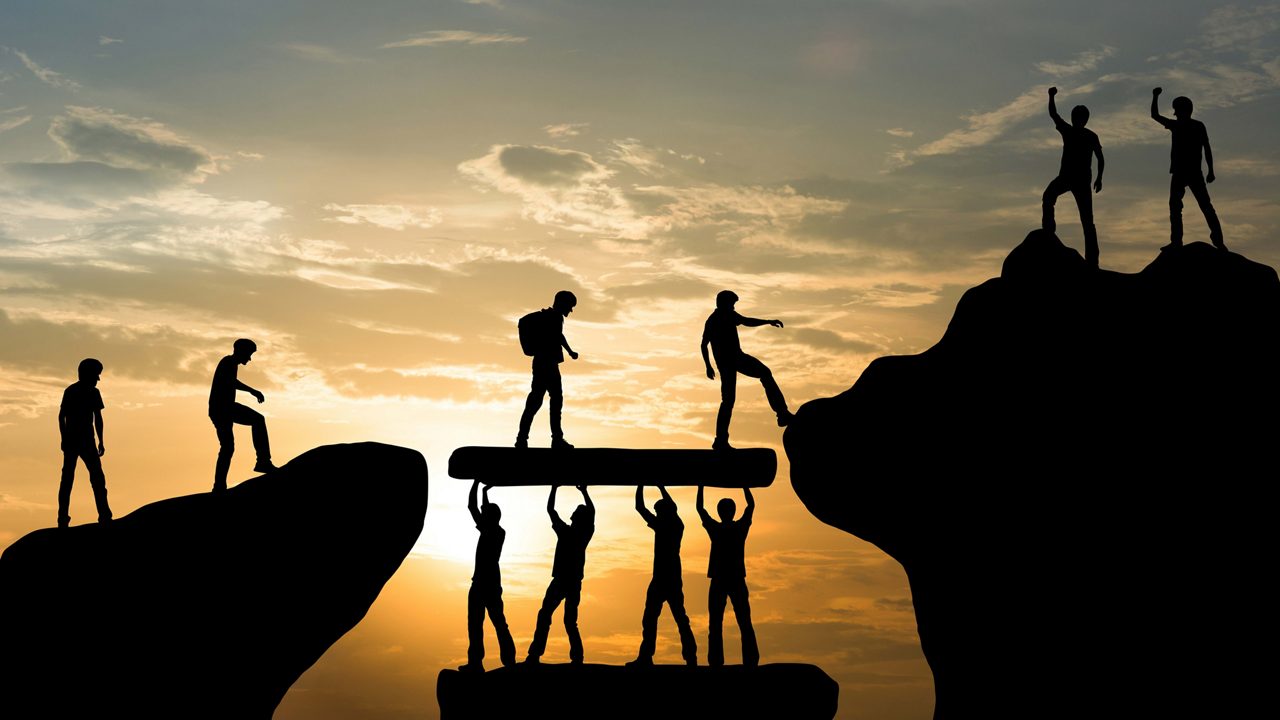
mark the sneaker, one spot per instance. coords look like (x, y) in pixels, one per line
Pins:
(785, 418)
(560, 444)
(577, 661)
(721, 445)
(692, 662)
(64, 522)
(522, 443)
(265, 466)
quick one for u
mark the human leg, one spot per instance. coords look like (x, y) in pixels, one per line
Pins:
(742, 611)
(688, 644)
(751, 367)
(1201, 194)
(222, 425)
(716, 597)
(555, 390)
(572, 596)
(532, 404)
(475, 626)
(1083, 194)
(244, 415)
(728, 396)
(550, 602)
(1177, 188)
(69, 458)
(649, 621)
(506, 646)
(1057, 187)
(97, 481)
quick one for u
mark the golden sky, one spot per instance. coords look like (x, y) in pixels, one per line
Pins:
(375, 192)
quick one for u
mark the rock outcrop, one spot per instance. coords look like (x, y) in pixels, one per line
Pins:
(1074, 479)
(206, 606)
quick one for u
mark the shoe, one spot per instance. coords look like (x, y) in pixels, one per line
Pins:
(576, 662)
(785, 418)
(64, 522)
(265, 466)
(640, 663)
(721, 445)
(531, 660)
(471, 668)
(522, 443)
(1220, 245)
(560, 444)
(691, 663)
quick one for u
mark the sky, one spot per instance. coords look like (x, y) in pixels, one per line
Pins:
(376, 192)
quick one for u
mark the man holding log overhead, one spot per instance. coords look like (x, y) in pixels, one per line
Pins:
(486, 585)
(566, 575)
(667, 585)
(728, 572)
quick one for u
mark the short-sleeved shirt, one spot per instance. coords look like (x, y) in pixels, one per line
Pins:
(1078, 146)
(222, 393)
(721, 331)
(571, 548)
(667, 534)
(488, 553)
(728, 546)
(552, 324)
(1189, 138)
(79, 402)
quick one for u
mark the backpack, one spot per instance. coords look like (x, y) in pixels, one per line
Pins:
(533, 332)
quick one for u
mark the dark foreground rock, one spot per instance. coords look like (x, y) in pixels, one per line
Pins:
(1076, 480)
(206, 606)
(662, 692)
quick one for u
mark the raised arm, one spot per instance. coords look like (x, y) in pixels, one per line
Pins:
(702, 509)
(551, 506)
(640, 508)
(471, 502)
(666, 495)
(1155, 108)
(750, 512)
(1053, 111)
(586, 498)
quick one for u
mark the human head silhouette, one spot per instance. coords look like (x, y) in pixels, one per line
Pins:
(89, 370)
(565, 302)
(665, 507)
(1079, 116)
(581, 514)
(243, 349)
(1182, 107)
(725, 509)
(490, 512)
(726, 299)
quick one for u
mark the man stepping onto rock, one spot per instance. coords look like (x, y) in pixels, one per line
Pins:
(667, 585)
(721, 333)
(78, 417)
(728, 572)
(1189, 138)
(1078, 148)
(486, 585)
(225, 413)
(542, 337)
(566, 575)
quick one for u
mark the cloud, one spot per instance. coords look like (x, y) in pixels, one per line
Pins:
(13, 502)
(668, 287)
(100, 135)
(14, 122)
(1085, 61)
(392, 217)
(563, 130)
(319, 53)
(982, 128)
(456, 37)
(44, 74)
(104, 40)
(829, 340)
(900, 132)
(1232, 26)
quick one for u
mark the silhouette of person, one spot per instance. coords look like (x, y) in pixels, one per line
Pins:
(225, 413)
(1189, 138)
(667, 585)
(1079, 145)
(728, 572)
(78, 417)
(721, 333)
(546, 369)
(566, 575)
(486, 585)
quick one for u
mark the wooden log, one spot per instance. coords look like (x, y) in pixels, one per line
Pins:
(516, 467)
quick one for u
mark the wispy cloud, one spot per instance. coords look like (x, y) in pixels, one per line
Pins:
(563, 130)
(1231, 26)
(456, 37)
(104, 40)
(982, 128)
(1085, 61)
(47, 76)
(13, 122)
(319, 53)
(392, 217)
(900, 132)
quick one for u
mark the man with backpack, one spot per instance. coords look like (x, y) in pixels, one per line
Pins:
(542, 338)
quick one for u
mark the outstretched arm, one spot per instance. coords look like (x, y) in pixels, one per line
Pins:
(1097, 184)
(1053, 111)
(471, 502)
(757, 322)
(251, 391)
(702, 508)
(1155, 108)
(640, 508)
(750, 512)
